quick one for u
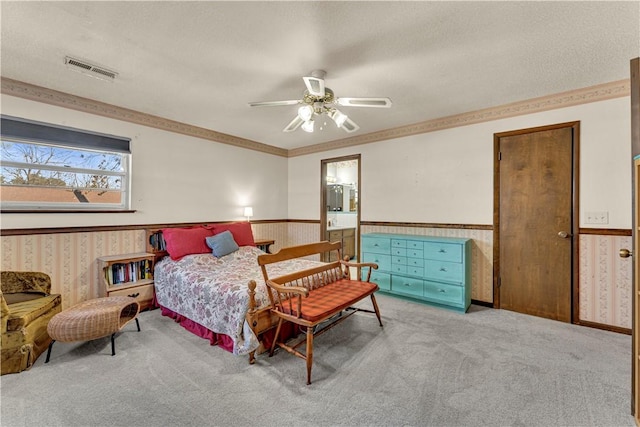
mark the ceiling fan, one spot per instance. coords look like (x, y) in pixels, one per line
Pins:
(319, 99)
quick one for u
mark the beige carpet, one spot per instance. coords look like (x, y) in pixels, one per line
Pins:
(426, 367)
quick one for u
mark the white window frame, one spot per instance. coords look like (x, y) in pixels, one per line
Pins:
(24, 131)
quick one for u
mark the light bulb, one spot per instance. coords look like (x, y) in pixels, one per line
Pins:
(307, 126)
(305, 112)
(338, 117)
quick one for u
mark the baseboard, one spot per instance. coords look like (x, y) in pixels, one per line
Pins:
(482, 303)
(605, 327)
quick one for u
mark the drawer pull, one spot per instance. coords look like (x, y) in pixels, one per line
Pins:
(407, 284)
(136, 295)
(443, 269)
(375, 244)
(442, 251)
(442, 290)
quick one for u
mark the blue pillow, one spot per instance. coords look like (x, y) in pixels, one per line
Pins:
(222, 244)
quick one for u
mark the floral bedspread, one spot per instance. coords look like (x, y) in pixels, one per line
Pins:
(213, 291)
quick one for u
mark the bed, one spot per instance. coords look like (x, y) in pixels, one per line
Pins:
(221, 298)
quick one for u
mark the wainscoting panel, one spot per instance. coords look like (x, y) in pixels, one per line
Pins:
(605, 280)
(481, 253)
(69, 258)
(271, 231)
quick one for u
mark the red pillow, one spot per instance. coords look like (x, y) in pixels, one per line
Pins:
(241, 231)
(186, 241)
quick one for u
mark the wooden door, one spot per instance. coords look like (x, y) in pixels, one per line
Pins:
(536, 172)
(635, 152)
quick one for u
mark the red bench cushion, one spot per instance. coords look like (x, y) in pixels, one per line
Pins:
(328, 299)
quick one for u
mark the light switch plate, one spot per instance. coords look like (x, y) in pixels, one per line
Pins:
(596, 217)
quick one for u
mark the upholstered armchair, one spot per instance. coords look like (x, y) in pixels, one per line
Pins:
(26, 306)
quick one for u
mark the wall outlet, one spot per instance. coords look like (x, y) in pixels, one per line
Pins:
(596, 218)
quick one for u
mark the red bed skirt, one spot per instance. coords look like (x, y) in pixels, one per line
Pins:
(221, 340)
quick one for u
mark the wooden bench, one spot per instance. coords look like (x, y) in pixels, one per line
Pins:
(313, 296)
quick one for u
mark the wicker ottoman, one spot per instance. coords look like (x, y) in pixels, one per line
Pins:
(93, 319)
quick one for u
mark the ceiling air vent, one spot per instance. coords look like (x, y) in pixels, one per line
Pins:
(89, 69)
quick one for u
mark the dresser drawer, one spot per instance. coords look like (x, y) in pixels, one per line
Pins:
(415, 244)
(383, 261)
(398, 251)
(378, 245)
(415, 262)
(335, 236)
(402, 260)
(142, 293)
(415, 271)
(415, 253)
(348, 232)
(446, 271)
(397, 243)
(383, 280)
(443, 251)
(407, 286)
(442, 293)
(399, 268)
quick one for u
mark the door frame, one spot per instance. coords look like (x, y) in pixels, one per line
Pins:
(323, 196)
(634, 66)
(575, 216)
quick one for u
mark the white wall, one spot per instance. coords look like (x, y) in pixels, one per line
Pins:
(175, 178)
(437, 177)
(447, 176)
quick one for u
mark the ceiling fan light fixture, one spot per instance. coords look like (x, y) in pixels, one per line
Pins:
(338, 117)
(305, 112)
(307, 126)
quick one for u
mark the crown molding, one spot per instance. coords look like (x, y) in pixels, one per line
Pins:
(587, 95)
(596, 93)
(65, 100)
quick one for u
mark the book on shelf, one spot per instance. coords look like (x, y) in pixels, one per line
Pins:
(128, 272)
(157, 241)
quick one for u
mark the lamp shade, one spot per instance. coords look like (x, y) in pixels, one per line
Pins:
(307, 126)
(248, 211)
(305, 112)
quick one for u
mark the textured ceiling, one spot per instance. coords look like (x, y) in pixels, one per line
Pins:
(201, 62)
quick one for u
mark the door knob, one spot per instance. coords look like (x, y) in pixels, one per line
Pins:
(625, 253)
(563, 234)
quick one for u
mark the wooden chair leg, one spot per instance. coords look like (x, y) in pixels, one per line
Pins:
(375, 307)
(309, 353)
(275, 338)
(49, 351)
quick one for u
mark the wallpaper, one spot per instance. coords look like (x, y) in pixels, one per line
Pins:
(70, 259)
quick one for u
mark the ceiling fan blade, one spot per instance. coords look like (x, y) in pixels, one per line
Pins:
(350, 126)
(365, 102)
(295, 124)
(315, 86)
(274, 103)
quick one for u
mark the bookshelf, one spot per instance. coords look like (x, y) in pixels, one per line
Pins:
(129, 275)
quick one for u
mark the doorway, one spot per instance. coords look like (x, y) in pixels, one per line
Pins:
(340, 203)
(536, 222)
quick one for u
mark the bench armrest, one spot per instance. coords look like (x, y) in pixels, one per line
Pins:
(359, 266)
(294, 290)
(286, 295)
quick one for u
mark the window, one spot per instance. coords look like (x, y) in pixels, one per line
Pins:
(46, 167)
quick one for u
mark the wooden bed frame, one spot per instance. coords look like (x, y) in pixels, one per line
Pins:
(260, 320)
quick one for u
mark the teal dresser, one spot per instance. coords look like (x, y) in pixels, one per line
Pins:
(433, 270)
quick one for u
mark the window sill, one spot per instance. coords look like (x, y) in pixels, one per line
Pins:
(57, 211)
